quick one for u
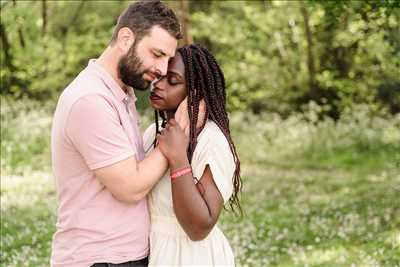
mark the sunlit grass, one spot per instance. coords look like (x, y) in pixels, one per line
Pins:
(301, 217)
(28, 212)
(315, 193)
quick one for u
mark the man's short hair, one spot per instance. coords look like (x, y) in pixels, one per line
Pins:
(141, 16)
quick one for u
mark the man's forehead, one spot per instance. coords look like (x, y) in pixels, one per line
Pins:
(163, 52)
(161, 41)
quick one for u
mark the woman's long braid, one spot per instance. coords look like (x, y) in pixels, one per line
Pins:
(225, 120)
(204, 79)
(214, 97)
(156, 121)
(163, 123)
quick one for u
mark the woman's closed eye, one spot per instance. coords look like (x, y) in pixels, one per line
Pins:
(172, 80)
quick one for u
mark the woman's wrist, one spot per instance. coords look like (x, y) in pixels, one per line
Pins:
(180, 172)
(178, 162)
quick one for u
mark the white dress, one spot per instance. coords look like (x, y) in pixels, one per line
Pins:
(169, 244)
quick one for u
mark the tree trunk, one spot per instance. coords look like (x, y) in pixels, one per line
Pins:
(310, 55)
(10, 79)
(6, 48)
(44, 17)
(44, 31)
(184, 18)
(20, 34)
(65, 28)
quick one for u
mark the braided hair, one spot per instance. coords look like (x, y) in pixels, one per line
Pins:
(205, 80)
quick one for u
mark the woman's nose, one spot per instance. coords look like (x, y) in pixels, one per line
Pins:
(160, 83)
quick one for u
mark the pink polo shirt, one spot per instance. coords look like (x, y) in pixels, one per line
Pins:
(95, 125)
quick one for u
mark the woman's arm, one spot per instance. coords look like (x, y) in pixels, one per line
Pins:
(197, 207)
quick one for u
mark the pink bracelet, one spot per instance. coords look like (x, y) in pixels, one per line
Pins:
(180, 172)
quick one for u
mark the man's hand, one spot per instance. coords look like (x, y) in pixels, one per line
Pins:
(173, 143)
(182, 115)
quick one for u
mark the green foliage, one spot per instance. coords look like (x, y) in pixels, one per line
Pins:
(320, 185)
(43, 62)
(262, 46)
(355, 52)
(359, 134)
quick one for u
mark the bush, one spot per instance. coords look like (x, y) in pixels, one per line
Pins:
(25, 135)
(308, 136)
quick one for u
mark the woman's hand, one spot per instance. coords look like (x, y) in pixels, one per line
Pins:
(182, 115)
(173, 144)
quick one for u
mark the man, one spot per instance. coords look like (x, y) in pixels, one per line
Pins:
(97, 153)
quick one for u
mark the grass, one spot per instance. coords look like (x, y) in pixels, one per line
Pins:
(28, 215)
(316, 193)
(302, 216)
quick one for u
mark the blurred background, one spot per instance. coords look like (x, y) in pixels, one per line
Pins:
(314, 98)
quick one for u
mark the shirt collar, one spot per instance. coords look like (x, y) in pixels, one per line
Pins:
(109, 81)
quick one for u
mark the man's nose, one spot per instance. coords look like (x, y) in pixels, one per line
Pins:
(162, 67)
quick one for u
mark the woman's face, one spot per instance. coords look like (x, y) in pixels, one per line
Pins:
(170, 91)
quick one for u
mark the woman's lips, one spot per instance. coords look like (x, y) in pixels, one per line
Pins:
(154, 96)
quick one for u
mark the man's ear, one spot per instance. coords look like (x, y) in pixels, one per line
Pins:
(125, 39)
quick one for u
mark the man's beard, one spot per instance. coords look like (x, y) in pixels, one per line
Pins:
(130, 70)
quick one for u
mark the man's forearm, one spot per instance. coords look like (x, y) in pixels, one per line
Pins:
(149, 171)
(129, 180)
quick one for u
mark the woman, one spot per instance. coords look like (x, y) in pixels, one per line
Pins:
(204, 170)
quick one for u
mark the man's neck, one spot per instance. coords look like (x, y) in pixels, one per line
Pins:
(109, 61)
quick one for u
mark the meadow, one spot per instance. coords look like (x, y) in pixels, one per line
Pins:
(317, 192)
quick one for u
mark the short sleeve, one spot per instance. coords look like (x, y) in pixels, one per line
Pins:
(94, 128)
(214, 150)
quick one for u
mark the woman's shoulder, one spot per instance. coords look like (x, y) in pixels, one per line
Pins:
(212, 134)
(213, 150)
(212, 140)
